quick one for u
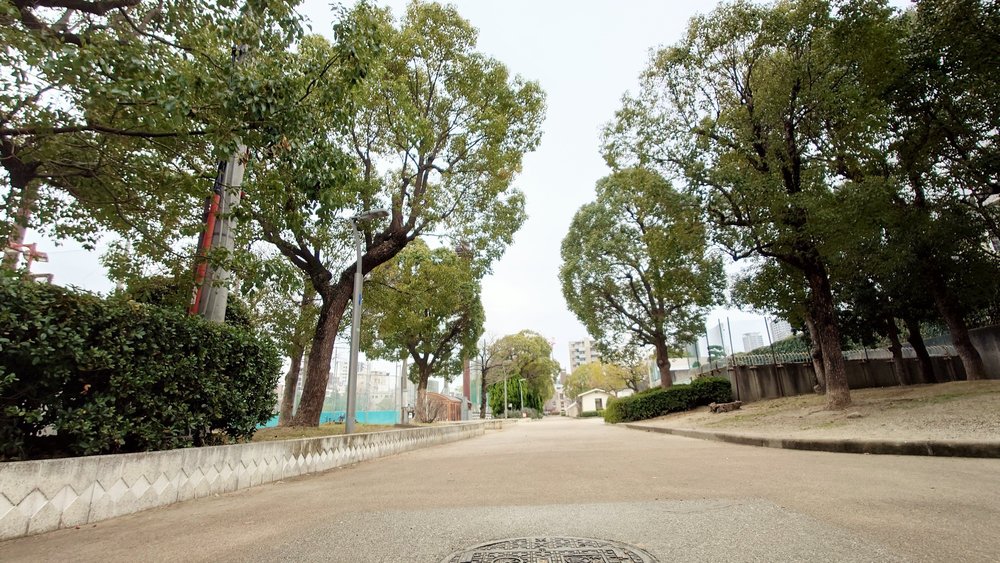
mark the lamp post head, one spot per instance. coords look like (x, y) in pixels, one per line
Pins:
(370, 215)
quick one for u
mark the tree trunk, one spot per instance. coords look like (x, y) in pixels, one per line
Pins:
(297, 350)
(663, 363)
(925, 369)
(896, 348)
(421, 407)
(816, 353)
(291, 382)
(482, 395)
(335, 301)
(824, 315)
(951, 312)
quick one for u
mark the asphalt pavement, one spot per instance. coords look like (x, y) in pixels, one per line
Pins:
(679, 499)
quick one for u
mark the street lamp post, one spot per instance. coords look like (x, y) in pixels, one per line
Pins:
(505, 395)
(352, 370)
(520, 387)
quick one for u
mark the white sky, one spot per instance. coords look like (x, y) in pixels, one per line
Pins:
(585, 54)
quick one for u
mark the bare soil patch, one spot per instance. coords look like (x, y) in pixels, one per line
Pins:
(296, 432)
(947, 411)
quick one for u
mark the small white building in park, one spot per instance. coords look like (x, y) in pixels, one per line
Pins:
(593, 400)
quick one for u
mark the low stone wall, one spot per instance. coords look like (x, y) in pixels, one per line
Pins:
(40, 496)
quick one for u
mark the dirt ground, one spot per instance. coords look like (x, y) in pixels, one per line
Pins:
(295, 432)
(948, 411)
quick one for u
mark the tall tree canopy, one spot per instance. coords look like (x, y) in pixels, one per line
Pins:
(608, 377)
(636, 267)
(113, 113)
(435, 133)
(524, 355)
(424, 304)
(764, 111)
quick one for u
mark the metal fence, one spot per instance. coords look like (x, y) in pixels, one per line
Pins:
(780, 358)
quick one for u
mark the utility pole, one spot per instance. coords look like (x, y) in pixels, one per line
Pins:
(402, 393)
(15, 241)
(505, 395)
(211, 291)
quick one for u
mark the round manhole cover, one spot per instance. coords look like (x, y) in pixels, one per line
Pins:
(551, 550)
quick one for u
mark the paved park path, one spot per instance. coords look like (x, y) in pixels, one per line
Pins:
(680, 499)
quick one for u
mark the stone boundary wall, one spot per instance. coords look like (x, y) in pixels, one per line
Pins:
(757, 383)
(986, 340)
(44, 495)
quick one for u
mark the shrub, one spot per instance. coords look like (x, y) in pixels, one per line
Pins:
(589, 414)
(712, 390)
(659, 401)
(175, 294)
(81, 375)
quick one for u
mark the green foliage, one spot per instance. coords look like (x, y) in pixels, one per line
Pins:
(793, 344)
(636, 267)
(707, 390)
(525, 355)
(116, 112)
(533, 399)
(716, 352)
(591, 414)
(109, 376)
(658, 402)
(424, 304)
(599, 375)
(175, 295)
(433, 131)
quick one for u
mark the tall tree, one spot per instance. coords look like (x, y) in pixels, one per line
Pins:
(524, 355)
(763, 110)
(424, 304)
(945, 128)
(489, 357)
(435, 133)
(114, 112)
(636, 267)
(608, 377)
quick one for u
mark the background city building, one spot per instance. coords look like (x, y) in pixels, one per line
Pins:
(752, 341)
(582, 352)
(780, 329)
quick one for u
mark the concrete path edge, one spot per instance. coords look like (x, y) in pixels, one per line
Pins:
(944, 448)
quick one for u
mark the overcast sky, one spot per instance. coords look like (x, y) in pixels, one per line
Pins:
(585, 54)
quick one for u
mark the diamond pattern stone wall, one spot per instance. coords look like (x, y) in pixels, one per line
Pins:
(40, 496)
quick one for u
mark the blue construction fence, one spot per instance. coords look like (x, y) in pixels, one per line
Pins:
(363, 417)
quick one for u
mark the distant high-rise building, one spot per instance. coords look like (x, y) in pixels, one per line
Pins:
(582, 352)
(780, 329)
(752, 341)
(718, 335)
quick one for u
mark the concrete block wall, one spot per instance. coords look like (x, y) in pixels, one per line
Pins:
(756, 383)
(44, 495)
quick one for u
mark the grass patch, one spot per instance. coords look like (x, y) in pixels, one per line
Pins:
(296, 432)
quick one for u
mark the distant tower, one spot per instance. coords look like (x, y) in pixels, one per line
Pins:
(582, 352)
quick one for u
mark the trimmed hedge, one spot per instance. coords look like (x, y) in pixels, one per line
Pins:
(709, 390)
(590, 414)
(658, 402)
(82, 375)
(174, 294)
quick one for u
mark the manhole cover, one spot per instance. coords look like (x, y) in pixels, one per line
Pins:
(551, 550)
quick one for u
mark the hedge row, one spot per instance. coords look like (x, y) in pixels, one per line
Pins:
(82, 375)
(658, 401)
